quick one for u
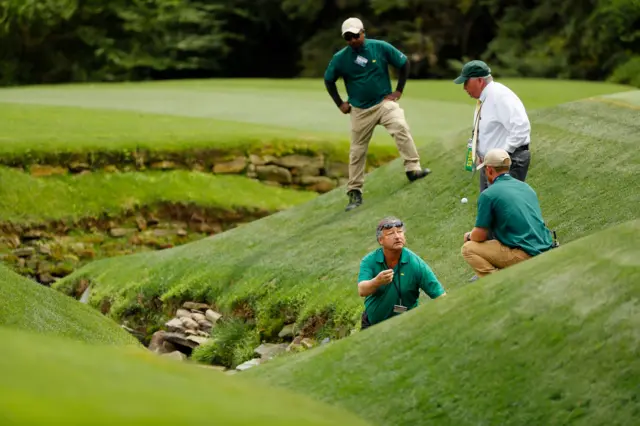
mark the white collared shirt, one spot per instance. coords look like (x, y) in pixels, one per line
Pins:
(503, 120)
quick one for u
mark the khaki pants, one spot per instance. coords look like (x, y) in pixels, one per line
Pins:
(490, 256)
(363, 122)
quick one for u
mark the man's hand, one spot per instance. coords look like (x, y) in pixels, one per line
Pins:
(394, 96)
(384, 277)
(345, 108)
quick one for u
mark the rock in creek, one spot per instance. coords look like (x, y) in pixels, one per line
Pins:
(198, 317)
(212, 316)
(189, 323)
(177, 355)
(196, 306)
(175, 325)
(205, 325)
(183, 313)
(156, 342)
(287, 331)
(180, 340)
(198, 339)
(270, 350)
(249, 364)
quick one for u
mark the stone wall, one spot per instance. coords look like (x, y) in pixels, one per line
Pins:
(308, 172)
(50, 251)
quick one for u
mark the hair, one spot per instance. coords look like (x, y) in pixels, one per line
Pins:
(501, 169)
(488, 79)
(384, 221)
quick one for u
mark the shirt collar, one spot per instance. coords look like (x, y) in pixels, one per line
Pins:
(486, 91)
(404, 258)
(501, 177)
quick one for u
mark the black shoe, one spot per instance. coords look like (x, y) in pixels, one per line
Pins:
(355, 199)
(417, 174)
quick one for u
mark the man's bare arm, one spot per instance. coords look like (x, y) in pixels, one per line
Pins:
(477, 234)
(367, 287)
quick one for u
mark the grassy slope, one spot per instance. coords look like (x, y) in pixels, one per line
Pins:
(75, 197)
(225, 113)
(554, 340)
(53, 381)
(46, 128)
(318, 246)
(27, 305)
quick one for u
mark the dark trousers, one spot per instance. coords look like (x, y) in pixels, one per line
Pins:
(365, 321)
(520, 160)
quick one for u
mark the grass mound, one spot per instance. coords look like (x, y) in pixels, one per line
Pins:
(29, 306)
(553, 340)
(302, 263)
(53, 381)
(79, 196)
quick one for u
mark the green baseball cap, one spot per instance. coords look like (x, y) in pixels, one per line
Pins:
(473, 69)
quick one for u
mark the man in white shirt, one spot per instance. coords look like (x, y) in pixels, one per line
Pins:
(503, 119)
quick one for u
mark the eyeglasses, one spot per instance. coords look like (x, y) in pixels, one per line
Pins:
(396, 224)
(349, 36)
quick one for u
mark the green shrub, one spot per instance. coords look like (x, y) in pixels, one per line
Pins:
(232, 343)
(627, 73)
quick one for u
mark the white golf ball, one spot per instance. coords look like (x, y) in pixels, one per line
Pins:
(464, 201)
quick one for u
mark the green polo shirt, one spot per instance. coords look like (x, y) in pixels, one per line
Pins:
(365, 71)
(410, 275)
(510, 209)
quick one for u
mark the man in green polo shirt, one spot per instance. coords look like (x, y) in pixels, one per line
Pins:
(510, 210)
(391, 276)
(363, 65)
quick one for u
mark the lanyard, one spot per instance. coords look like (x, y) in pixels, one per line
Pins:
(396, 285)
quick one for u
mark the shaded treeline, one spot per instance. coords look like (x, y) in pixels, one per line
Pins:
(47, 41)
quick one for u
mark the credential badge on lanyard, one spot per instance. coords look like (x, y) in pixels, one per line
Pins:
(362, 61)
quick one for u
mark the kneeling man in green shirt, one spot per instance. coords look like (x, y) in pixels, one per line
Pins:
(391, 276)
(509, 209)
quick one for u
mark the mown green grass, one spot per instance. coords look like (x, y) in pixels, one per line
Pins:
(57, 381)
(46, 128)
(28, 306)
(27, 199)
(247, 114)
(305, 260)
(553, 340)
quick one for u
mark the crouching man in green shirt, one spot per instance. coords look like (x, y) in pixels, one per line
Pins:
(509, 209)
(391, 276)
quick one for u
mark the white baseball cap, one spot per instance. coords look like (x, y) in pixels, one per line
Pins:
(352, 25)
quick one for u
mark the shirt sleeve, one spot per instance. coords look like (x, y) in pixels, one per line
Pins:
(483, 219)
(512, 115)
(332, 73)
(429, 283)
(393, 55)
(366, 271)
